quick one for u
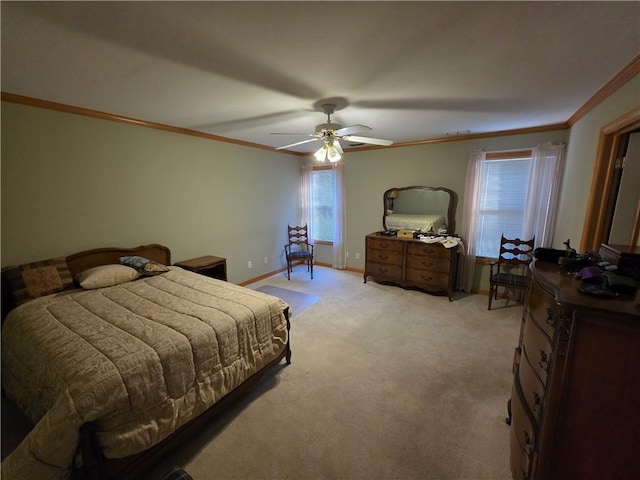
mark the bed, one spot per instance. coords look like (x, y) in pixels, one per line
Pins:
(115, 374)
(422, 223)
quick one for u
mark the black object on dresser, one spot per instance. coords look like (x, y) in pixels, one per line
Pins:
(209, 265)
(411, 263)
(575, 404)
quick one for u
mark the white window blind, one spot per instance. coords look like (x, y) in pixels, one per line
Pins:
(502, 199)
(322, 200)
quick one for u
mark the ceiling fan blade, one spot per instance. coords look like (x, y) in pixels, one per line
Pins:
(293, 133)
(297, 143)
(249, 122)
(336, 143)
(351, 129)
(372, 141)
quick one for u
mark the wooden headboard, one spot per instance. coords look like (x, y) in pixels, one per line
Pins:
(81, 261)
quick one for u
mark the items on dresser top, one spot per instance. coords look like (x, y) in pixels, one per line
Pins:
(551, 255)
(411, 263)
(573, 409)
(613, 271)
(448, 241)
(623, 256)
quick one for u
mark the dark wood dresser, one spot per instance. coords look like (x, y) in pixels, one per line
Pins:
(575, 405)
(411, 263)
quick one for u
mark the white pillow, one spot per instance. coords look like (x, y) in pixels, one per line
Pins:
(106, 276)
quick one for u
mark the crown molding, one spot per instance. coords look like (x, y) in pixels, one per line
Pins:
(61, 107)
(627, 73)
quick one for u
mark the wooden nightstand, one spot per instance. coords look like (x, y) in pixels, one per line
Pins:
(214, 267)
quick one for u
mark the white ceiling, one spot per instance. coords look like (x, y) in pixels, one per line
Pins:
(409, 70)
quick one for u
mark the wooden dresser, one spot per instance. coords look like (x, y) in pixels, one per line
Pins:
(411, 263)
(575, 405)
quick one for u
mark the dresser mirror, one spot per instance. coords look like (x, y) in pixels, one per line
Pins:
(421, 208)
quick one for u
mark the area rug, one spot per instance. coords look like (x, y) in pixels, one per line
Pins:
(298, 301)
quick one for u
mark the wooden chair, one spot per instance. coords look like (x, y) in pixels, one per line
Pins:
(298, 250)
(512, 268)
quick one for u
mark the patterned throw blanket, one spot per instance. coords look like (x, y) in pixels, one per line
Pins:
(139, 359)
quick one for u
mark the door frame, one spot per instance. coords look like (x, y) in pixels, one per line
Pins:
(602, 197)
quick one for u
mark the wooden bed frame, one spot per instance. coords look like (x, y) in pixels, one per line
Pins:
(95, 465)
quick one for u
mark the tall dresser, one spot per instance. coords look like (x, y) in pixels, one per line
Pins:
(575, 404)
(411, 263)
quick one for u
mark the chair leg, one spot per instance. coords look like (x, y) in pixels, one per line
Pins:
(490, 297)
(288, 271)
(311, 266)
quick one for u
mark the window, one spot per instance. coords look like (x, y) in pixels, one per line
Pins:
(515, 193)
(502, 197)
(323, 185)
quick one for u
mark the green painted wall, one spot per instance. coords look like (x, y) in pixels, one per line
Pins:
(71, 183)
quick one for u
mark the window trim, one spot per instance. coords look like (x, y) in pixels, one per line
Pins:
(509, 154)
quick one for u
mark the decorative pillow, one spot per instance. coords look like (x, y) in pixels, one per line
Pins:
(38, 279)
(143, 265)
(106, 276)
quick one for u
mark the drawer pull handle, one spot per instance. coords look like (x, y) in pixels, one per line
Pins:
(537, 406)
(383, 270)
(544, 362)
(383, 257)
(426, 279)
(528, 447)
(551, 318)
(427, 264)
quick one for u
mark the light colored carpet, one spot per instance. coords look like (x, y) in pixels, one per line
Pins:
(385, 383)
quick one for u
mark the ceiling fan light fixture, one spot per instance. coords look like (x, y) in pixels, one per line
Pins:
(329, 133)
(321, 154)
(333, 154)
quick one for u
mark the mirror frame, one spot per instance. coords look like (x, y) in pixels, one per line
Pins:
(451, 212)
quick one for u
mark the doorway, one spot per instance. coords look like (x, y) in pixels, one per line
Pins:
(628, 198)
(608, 173)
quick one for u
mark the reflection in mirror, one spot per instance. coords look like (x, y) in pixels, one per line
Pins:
(425, 209)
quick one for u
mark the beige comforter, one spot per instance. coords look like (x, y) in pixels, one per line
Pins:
(140, 359)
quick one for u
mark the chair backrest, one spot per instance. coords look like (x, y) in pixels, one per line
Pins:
(515, 252)
(298, 237)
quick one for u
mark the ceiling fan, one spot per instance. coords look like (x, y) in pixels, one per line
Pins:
(330, 135)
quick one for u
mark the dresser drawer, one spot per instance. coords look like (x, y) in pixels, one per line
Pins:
(432, 264)
(390, 257)
(522, 433)
(537, 349)
(434, 280)
(518, 459)
(543, 308)
(532, 389)
(383, 271)
(429, 250)
(410, 263)
(384, 244)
